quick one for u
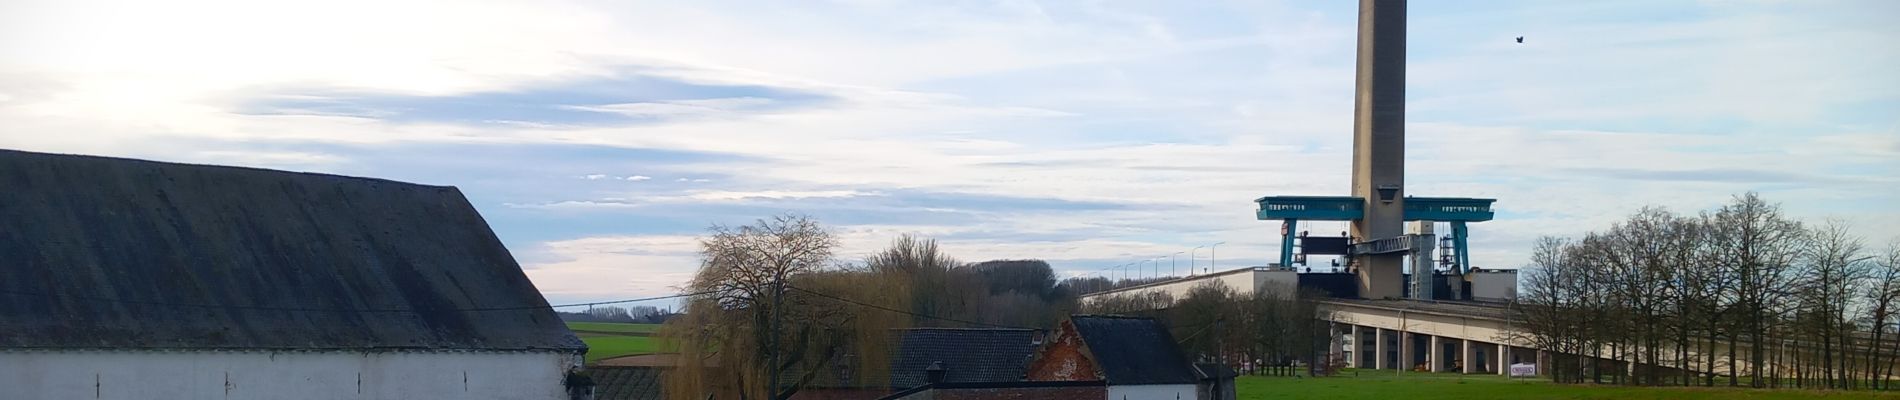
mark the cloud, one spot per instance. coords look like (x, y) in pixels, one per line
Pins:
(1093, 134)
(620, 98)
(613, 266)
(720, 195)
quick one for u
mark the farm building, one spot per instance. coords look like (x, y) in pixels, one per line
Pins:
(1136, 357)
(959, 356)
(130, 279)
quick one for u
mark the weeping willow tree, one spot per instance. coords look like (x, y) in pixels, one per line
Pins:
(775, 303)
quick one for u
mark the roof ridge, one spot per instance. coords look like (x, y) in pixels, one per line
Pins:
(217, 167)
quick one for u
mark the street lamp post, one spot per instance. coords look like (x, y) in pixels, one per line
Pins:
(1171, 263)
(1191, 259)
(1212, 256)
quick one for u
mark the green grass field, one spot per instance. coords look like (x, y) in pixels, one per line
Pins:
(609, 340)
(612, 327)
(599, 347)
(1422, 386)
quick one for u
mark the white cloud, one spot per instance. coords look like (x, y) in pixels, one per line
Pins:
(615, 266)
(680, 108)
(1181, 115)
(721, 195)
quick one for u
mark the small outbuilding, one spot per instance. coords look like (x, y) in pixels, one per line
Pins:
(1217, 381)
(131, 279)
(1136, 357)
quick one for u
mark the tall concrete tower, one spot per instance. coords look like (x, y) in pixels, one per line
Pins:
(1378, 143)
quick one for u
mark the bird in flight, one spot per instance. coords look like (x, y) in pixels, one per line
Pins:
(1520, 39)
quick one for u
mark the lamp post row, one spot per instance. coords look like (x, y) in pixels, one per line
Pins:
(1193, 256)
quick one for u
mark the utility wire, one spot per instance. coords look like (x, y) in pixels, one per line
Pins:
(926, 316)
(342, 310)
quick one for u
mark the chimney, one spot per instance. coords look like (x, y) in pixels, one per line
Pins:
(934, 374)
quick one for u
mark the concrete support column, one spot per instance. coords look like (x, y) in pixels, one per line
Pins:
(1437, 356)
(1378, 349)
(1358, 346)
(1504, 359)
(1406, 348)
(1337, 345)
(1543, 362)
(1470, 361)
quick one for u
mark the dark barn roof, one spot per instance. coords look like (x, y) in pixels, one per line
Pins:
(116, 253)
(625, 383)
(1133, 351)
(1214, 371)
(968, 355)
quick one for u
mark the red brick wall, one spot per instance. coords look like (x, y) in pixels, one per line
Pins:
(1063, 358)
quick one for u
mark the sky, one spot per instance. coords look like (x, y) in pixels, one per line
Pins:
(601, 138)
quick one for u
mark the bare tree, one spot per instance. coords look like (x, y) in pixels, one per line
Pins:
(738, 321)
(1883, 301)
(1742, 288)
(1753, 239)
(1832, 270)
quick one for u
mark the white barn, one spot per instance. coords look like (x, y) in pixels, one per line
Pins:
(129, 279)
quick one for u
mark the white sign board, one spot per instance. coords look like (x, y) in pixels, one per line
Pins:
(1523, 370)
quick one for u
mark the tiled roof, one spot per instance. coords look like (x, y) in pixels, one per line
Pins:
(968, 355)
(1133, 351)
(102, 252)
(625, 383)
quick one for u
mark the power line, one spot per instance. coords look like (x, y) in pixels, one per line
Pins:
(342, 310)
(926, 316)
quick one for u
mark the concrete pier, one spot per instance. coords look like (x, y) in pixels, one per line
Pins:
(1378, 155)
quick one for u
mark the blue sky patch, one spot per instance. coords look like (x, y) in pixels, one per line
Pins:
(594, 101)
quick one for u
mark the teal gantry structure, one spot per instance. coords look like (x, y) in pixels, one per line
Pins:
(1293, 209)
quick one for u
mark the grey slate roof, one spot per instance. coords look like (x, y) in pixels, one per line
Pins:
(1207, 371)
(968, 355)
(116, 253)
(1133, 351)
(625, 383)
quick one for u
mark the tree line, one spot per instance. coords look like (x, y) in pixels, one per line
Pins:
(1738, 295)
(628, 315)
(1274, 330)
(778, 311)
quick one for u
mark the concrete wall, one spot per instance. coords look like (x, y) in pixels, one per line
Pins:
(1244, 281)
(1457, 327)
(1494, 284)
(1152, 392)
(139, 374)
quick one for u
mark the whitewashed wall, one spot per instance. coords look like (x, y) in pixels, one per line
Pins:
(1152, 392)
(139, 374)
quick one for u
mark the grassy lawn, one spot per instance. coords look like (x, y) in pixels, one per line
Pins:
(612, 327)
(1422, 386)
